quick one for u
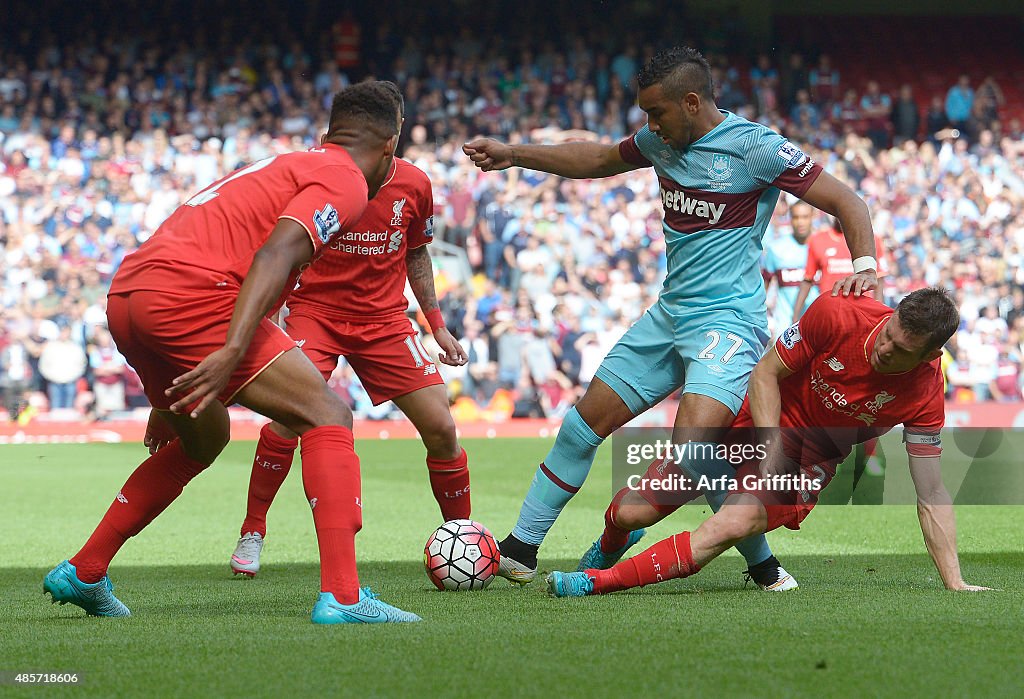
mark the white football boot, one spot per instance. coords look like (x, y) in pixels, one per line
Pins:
(773, 580)
(246, 558)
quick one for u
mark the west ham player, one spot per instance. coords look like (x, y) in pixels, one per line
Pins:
(720, 178)
(850, 369)
(351, 303)
(785, 261)
(188, 311)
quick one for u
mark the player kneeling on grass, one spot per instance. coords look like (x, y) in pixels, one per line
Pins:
(351, 303)
(850, 370)
(189, 311)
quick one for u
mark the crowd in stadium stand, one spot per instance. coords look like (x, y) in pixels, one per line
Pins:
(100, 142)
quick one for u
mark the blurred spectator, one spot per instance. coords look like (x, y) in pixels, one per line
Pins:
(108, 371)
(824, 81)
(906, 118)
(795, 78)
(876, 107)
(804, 112)
(62, 363)
(15, 373)
(959, 102)
(847, 113)
(936, 119)
(1006, 388)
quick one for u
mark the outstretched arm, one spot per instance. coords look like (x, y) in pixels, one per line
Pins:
(421, 279)
(833, 197)
(938, 523)
(574, 160)
(286, 249)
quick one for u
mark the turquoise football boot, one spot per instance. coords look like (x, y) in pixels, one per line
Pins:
(597, 559)
(570, 584)
(97, 599)
(368, 610)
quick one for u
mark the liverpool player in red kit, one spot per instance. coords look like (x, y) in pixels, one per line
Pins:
(351, 303)
(829, 261)
(851, 369)
(188, 310)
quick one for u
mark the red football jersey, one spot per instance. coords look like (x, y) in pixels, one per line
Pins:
(836, 399)
(360, 275)
(209, 241)
(828, 253)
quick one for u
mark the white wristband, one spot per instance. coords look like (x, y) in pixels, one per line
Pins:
(863, 264)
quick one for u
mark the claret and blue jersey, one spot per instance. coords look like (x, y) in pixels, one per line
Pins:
(718, 195)
(709, 327)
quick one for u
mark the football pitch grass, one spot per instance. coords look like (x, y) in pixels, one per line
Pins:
(870, 617)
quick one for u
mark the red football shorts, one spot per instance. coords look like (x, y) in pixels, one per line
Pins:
(786, 507)
(387, 356)
(164, 334)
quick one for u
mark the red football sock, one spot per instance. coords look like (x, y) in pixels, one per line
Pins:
(269, 469)
(148, 491)
(330, 475)
(668, 559)
(613, 537)
(449, 479)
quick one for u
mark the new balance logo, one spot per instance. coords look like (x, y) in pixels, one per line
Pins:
(834, 364)
(429, 370)
(312, 504)
(122, 498)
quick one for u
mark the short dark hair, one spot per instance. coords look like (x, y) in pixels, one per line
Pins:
(929, 313)
(393, 88)
(373, 105)
(678, 70)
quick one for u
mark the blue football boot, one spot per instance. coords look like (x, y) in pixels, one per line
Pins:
(368, 610)
(570, 584)
(597, 559)
(97, 599)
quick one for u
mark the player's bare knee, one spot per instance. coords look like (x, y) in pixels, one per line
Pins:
(440, 438)
(205, 450)
(632, 518)
(327, 409)
(635, 512)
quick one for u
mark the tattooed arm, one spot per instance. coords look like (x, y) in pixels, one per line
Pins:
(421, 278)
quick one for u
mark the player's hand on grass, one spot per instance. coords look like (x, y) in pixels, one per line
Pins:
(202, 385)
(452, 353)
(158, 433)
(488, 154)
(857, 284)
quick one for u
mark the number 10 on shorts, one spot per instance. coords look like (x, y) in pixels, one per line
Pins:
(418, 352)
(715, 339)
